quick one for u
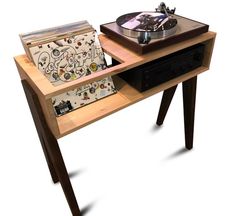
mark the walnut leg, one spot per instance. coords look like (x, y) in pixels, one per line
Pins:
(189, 98)
(51, 149)
(55, 153)
(33, 104)
(48, 159)
(165, 103)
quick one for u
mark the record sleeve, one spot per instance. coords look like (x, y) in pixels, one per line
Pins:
(66, 53)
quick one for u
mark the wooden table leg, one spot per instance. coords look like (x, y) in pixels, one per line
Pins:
(57, 159)
(165, 103)
(51, 149)
(34, 106)
(48, 159)
(189, 98)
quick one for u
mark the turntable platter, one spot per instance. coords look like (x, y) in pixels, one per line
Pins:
(156, 25)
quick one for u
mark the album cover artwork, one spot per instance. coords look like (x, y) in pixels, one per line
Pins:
(70, 58)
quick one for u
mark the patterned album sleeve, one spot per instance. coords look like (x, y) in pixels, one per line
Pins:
(71, 58)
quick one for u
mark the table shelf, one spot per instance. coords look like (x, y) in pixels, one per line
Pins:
(126, 95)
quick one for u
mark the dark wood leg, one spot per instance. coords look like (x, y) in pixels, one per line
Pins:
(165, 103)
(33, 104)
(51, 149)
(48, 159)
(189, 98)
(57, 159)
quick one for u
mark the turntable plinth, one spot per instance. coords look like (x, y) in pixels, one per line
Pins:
(50, 128)
(185, 29)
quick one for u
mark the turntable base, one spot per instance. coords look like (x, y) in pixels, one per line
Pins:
(186, 29)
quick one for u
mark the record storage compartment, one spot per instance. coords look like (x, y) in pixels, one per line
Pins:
(126, 94)
(164, 69)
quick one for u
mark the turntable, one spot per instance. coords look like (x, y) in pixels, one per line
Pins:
(143, 32)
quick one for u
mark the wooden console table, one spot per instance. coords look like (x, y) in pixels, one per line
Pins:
(39, 90)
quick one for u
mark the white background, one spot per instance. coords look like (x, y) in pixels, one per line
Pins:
(123, 164)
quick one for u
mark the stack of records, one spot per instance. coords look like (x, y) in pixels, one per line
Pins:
(67, 53)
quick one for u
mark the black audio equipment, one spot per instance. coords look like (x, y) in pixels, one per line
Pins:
(164, 69)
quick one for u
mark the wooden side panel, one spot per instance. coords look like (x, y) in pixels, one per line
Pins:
(208, 52)
(50, 116)
(45, 103)
(35, 78)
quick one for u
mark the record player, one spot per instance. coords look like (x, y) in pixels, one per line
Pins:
(143, 32)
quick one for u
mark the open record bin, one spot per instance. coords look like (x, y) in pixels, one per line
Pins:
(67, 53)
(125, 96)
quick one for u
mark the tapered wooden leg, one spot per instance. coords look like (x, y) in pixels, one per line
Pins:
(165, 103)
(48, 159)
(189, 98)
(57, 159)
(51, 149)
(33, 105)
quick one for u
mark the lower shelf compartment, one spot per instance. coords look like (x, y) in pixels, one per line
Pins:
(158, 71)
(125, 96)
